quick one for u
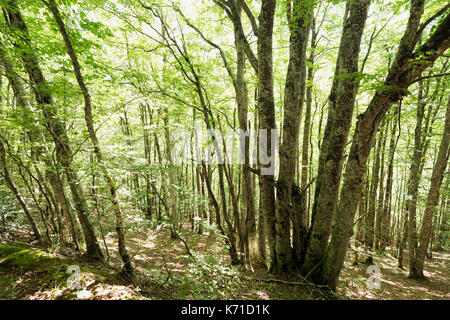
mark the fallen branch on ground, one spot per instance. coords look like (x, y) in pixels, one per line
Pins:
(291, 283)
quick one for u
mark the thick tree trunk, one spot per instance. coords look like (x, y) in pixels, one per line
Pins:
(294, 97)
(341, 104)
(401, 75)
(266, 108)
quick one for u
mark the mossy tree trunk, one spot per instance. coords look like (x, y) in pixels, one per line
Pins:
(340, 112)
(401, 75)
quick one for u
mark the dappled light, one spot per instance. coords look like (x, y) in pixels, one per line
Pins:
(224, 150)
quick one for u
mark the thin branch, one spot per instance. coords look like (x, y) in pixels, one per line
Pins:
(431, 19)
(432, 76)
(250, 16)
(222, 53)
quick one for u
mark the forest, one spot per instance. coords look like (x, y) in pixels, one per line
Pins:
(224, 149)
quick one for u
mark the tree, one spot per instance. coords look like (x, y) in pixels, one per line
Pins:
(127, 267)
(340, 111)
(401, 75)
(418, 257)
(266, 109)
(53, 124)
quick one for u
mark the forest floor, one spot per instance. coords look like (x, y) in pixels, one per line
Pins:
(165, 271)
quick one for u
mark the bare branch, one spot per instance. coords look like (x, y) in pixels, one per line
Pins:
(250, 16)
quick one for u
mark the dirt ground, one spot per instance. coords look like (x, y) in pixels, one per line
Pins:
(394, 282)
(166, 271)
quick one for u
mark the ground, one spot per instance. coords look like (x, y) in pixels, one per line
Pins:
(395, 283)
(164, 270)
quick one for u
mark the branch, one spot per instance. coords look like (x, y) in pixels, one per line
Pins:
(235, 18)
(359, 218)
(224, 6)
(291, 283)
(432, 76)
(435, 16)
(222, 53)
(250, 16)
(167, 270)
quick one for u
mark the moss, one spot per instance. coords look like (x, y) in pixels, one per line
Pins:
(31, 273)
(6, 250)
(26, 258)
(6, 286)
(22, 269)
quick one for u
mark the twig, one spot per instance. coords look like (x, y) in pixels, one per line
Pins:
(167, 270)
(432, 76)
(291, 283)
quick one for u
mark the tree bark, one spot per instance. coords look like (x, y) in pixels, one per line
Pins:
(53, 124)
(127, 266)
(340, 105)
(380, 203)
(248, 195)
(266, 108)
(416, 268)
(384, 234)
(294, 97)
(401, 75)
(371, 214)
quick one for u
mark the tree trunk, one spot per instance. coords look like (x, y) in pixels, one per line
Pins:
(416, 269)
(127, 267)
(380, 201)
(384, 234)
(173, 214)
(294, 97)
(414, 179)
(371, 214)
(54, 125)
(146, 121)
(304, 206)
(401, 75)
(340, 105)
(266, 108)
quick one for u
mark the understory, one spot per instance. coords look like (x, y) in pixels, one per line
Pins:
(164, 270)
